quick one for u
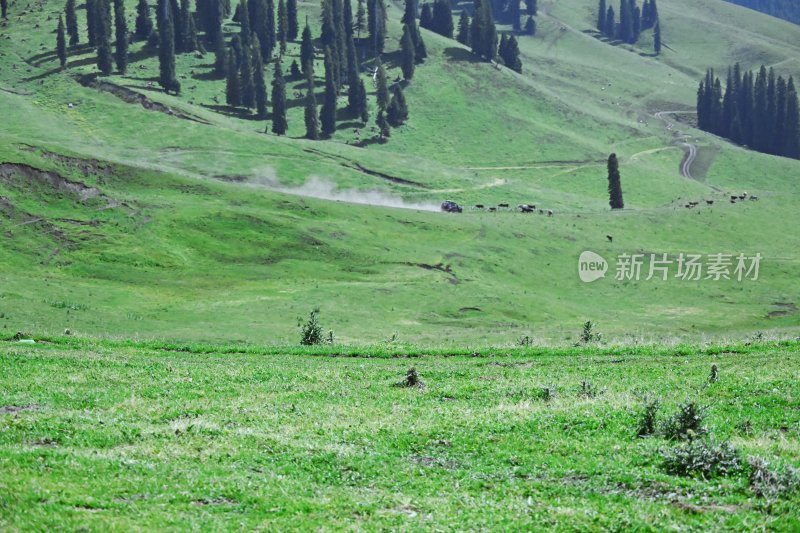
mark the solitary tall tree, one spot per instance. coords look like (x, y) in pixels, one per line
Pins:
(61, 43)
(166, 52)
(121, 36)
(279, 123)
(144, 24)
(614, 184)
(310, 112)
(291, 15)
(72, 22)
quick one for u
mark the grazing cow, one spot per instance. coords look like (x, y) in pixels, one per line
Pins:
(688, 206)
(502, 205)
(549, 212)
(525, 208)
(610, 238)
(733, 201)
(541, 211)
(754, 198)
(710, 202)
(492, 209)
(693, 203)
(734, 197)
(742, 196)
(478, 206)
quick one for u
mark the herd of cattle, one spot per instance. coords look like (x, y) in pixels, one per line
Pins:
(733, 199)
(452, 207)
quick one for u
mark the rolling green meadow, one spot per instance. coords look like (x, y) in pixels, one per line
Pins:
(161, 263)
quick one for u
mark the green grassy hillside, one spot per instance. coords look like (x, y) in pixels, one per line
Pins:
(181, 236)
(125, 436)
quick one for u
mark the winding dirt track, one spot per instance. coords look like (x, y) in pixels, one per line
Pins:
(691, 149)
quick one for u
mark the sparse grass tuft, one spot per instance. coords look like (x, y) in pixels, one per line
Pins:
(772, 482)
(648, 417)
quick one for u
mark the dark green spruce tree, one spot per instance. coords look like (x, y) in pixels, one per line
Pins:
(657, 39)
(4, 9)
(166, 52)
(327, 115)
(443, 18)
(144, 23)
(463, 28)
(72, 22)
(601, 16)
(245, 30)
(61, 43)
(283, 25)
(310, 112)
(91, 19)
(376, 25)
(360, 22)
(381, 88)
(121, 37)
(407, 61)
(614, 183)
(220, 56)
(306, 50)
(611, 24)
(397, 112)
(530, 27)
(384, 131)
(189, 33)
(105, 60)
(246, 83)
(258, 80)
(791, 128)
(426, 17)
(363, 108)
(279, 123)
(511, 58)
(233, 89)
(293, 29)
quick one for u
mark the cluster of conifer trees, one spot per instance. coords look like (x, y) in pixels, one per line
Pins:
(480, 34)
(632, 21)
(758, 111)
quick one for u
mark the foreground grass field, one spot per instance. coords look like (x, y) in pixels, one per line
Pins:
(125, 436)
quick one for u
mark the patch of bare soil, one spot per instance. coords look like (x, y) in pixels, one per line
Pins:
(132, 97)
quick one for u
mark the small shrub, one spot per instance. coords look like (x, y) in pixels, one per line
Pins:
(588, 334)
(770, 482)
(714, 376)
(547, 393)
(311, 330)
(648, 417)
(686, 424)
(701, 458)
(411, 379)
(525, 341)
(589, 390)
